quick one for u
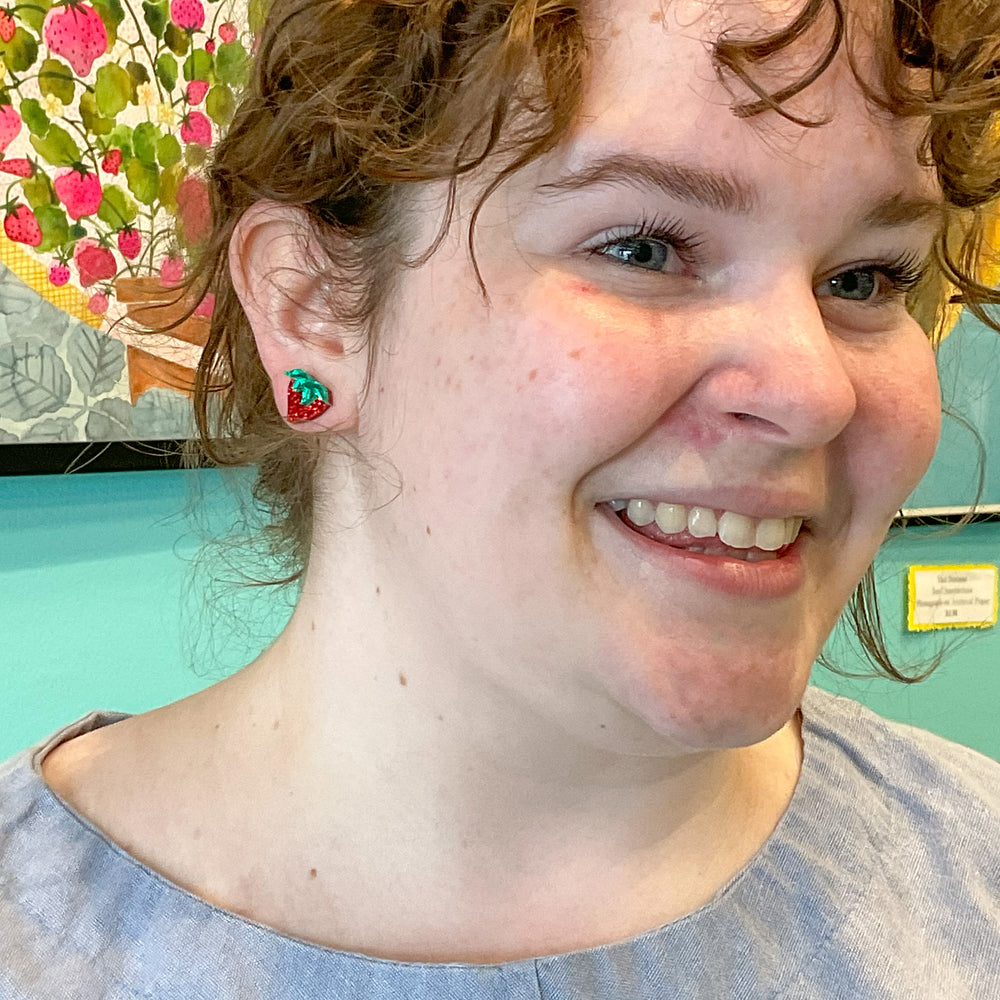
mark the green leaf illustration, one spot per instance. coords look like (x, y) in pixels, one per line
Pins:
(155, 16)
(21, 51)
(170, 181)
(138, 72)
(54, 226)
(112, 90)
(38, 191)
(168, 150)
(176, 39)
(198, 65)
(93, 121)
(33, 381)
(33, 13)
(34, 117)
(166, 70)
(117, 208)
(57, 148)
(95, 359)
(220, 104)
(231, 64)
(143, 181)
(55, 78)
(144, 140)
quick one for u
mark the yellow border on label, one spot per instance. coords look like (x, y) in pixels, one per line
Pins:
(911, 597)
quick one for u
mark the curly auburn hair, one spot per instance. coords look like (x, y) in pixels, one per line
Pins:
(351, 100)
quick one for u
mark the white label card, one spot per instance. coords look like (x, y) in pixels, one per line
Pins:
(952, 597)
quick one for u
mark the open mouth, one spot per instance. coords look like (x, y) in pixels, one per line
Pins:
(710, 532)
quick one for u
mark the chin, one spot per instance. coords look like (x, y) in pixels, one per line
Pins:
(707, 705)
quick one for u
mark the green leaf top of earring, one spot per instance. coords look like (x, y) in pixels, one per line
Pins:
(309, 389)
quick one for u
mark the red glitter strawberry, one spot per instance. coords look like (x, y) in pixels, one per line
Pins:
(227, 32)
(7, 26)
(187, 14)
(10, 125)
(79, 191)
(196, 91)
(130, 243)
(111, 161)
(195, 127)
(21, 226)
(18, 166)
(307, 397)
(77, 33)
(58, 274)
(94, 262)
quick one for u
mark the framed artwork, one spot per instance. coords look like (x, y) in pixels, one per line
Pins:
(107, 114)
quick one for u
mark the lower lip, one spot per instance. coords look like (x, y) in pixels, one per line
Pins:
(773, 578)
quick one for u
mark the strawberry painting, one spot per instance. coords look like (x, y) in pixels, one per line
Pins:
(21, 226)
(107, 111)
(307, 397)
(76, 32)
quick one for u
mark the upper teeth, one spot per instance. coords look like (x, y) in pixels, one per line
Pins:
(735, 530)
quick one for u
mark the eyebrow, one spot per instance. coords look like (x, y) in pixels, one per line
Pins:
(707, 188)
(720, 191)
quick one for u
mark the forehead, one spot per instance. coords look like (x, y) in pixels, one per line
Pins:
(653, 87)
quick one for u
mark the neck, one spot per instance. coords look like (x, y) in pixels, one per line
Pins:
(429, 792)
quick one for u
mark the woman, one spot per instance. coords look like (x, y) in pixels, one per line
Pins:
(575, 352)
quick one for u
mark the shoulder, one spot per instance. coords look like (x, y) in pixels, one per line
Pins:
(911, 822)
(923, 772)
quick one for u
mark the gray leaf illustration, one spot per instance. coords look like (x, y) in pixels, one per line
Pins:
(7, 438)
(33, 381)
(162, 413)
(110, 420)
(52, 429)
(96, 360)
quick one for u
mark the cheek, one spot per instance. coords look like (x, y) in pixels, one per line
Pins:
(899, 406)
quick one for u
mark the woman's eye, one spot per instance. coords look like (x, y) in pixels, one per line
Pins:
(860, 284)
(651, 255)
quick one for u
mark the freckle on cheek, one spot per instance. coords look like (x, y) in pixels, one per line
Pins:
(575, 355)
(533, 374)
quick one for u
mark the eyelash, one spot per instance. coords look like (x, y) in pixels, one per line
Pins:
(903, 273)
(670, 232)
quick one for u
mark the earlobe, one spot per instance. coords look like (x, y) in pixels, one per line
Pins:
(282, 278)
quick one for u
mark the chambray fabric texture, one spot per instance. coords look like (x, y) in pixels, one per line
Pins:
(882, 881)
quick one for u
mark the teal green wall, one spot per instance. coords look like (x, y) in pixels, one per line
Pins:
(103, 606)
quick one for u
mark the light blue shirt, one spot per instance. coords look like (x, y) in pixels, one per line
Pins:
(881, 882)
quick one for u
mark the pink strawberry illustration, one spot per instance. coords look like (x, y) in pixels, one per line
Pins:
(10, 125)
(308, 398)
(19, 166)
(58, 274)
(77, 33)
(196, 91)
(210, 46)
(227, 32)
(194, 210)
(111, 161)
(195, 127)
(98, 303)
(94, 262)
(130, 243)
(79, 191)
(7, 26)
(172, 270)
(187, 14)
(21, 226)
(207, 305)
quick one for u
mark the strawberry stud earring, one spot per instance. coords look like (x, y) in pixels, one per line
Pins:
(308, 398)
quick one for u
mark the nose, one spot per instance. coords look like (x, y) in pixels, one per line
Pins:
(779, 372)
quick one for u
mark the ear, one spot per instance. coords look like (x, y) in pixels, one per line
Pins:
(283, 279)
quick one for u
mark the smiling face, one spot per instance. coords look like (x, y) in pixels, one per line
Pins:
(640, 483)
